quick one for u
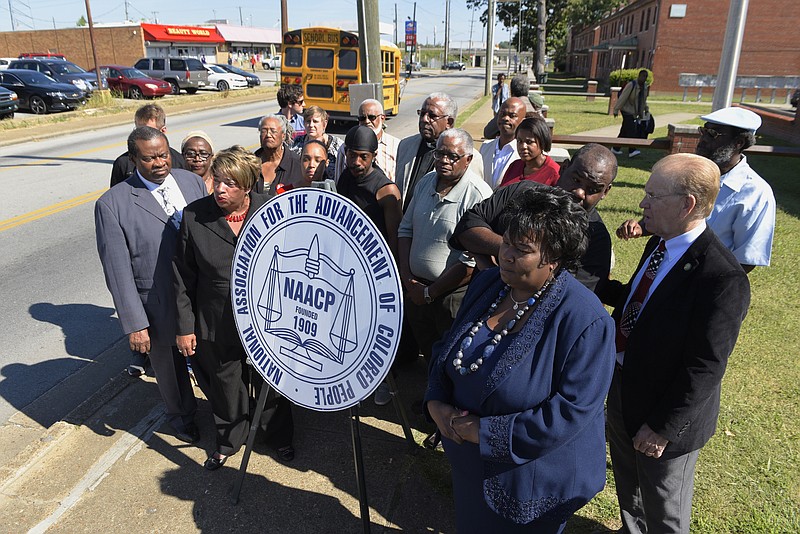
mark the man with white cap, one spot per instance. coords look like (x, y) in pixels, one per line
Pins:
(743, 216)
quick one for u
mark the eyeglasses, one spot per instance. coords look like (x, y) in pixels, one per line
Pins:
(449, 156)
(299, 102)
(364, 118)
(431, 116)
(651, 196)
(193, 154)
(713, 134)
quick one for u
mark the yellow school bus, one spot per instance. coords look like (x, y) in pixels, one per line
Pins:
(325, 61)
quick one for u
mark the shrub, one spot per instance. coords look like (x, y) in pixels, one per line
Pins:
(618, 78)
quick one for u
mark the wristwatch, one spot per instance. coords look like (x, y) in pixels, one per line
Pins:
(427, 295)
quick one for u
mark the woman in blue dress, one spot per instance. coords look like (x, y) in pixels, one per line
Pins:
(518, 384)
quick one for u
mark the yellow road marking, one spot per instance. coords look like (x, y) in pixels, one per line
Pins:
(49, 210)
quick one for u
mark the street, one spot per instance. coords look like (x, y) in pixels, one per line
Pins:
(62, 341)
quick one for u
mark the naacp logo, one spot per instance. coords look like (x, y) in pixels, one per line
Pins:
(317, 299)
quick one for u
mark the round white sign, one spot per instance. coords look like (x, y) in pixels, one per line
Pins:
(317, 299)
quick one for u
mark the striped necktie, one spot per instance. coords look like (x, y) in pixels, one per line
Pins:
(635, 305)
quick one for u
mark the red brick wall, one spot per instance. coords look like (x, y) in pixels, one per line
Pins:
(694, 43)
(115, 45)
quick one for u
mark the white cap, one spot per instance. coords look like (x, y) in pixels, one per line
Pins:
(736, 117)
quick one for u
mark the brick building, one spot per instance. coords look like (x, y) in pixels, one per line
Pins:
(670, 38)
(125, 43)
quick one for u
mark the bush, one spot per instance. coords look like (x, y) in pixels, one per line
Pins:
(619, 78)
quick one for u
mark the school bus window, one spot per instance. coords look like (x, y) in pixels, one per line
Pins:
(293, 57)
(388, 64)
(348, 59)
(320, 58)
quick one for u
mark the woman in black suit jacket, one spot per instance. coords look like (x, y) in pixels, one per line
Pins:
(206, 328)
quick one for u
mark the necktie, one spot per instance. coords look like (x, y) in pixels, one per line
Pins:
(169, 207)
(634, 307)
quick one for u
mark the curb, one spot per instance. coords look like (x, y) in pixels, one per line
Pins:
(76, 124)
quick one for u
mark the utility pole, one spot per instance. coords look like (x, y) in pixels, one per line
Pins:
(446, 31)
(369, 44)
(731, 50)
(241, 21)
(94, 48)
(127, 18)
(414, 42)
(155, 16)
(284, 19)
(487, 88)
(471, 22)
(395, 23)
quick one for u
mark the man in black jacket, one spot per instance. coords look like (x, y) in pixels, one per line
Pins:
(678, 320)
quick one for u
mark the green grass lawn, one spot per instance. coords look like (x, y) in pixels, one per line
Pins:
(748, 475)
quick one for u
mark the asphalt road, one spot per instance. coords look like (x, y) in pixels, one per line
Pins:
(61, 340)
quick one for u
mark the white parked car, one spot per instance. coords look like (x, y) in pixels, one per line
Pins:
(272, 63)
(223, 80)
(4, 61)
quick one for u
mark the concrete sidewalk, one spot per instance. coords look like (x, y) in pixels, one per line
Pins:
(121, 470)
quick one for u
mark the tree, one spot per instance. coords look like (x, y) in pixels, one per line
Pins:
(561, 15)
(81, 21)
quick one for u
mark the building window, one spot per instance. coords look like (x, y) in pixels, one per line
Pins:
(647, 19)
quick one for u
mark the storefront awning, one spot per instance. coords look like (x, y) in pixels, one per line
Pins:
(181, 34)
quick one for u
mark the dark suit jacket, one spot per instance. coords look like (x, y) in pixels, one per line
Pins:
(202, 271)
(677, 352)
(123, 167)
(136, 243)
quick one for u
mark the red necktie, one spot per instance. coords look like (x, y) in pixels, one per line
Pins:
(634, 307)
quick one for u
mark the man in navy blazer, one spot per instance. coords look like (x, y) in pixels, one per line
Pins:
(677, 323)
(136, 224)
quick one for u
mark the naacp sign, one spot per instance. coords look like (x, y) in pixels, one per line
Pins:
(317, 299)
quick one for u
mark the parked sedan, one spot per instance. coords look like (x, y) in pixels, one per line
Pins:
(9, 103)
(223, 80)
(133, 83)
(252, 79)
(40, 93)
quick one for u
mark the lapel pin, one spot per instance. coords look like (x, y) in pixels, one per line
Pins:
(687, 267)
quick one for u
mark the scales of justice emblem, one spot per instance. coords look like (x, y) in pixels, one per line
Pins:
(317, 299)
(333, 291)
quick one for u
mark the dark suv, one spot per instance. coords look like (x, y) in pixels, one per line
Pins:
(62, 71)
(181, 73)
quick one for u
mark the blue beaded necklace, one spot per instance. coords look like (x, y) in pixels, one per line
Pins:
(489, 349)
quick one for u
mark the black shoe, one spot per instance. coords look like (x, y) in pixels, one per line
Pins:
(213, 463)
(285, 454)
(188, 435)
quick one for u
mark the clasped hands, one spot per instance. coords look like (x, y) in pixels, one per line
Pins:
(454, 424)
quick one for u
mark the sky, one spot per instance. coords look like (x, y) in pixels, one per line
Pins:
(42, 14)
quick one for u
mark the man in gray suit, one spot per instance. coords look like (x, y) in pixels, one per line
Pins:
(136, 224)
